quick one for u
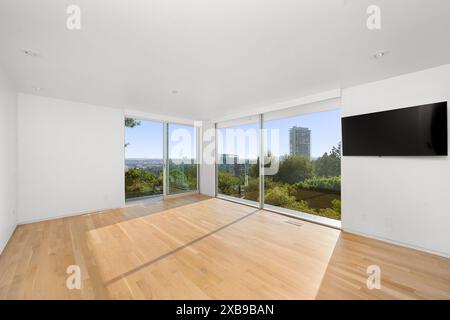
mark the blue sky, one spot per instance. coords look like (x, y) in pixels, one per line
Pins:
(325, 133)
(146, 140)
(182, 143)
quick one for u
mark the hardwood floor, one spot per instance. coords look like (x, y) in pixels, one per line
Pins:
(196, 247)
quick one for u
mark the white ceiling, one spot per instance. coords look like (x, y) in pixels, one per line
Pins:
(222, 56)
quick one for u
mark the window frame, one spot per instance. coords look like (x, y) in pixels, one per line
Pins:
(310, 108)
(165, 128)
(229, 124)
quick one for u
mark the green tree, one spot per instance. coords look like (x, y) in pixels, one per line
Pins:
(294, 168)
(253, 170)
(131, 123)
(329, 165)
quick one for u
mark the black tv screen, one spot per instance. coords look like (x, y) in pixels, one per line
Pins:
(413, 131)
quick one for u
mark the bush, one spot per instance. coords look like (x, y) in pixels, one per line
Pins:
(284, 195)
(252, 190)
(177, 179)
(279, 196)
(228, 184)
(253, 185)
(336, 205)
(141, 183)
(322, 184)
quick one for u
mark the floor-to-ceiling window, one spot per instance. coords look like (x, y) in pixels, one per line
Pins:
(303, 163)
(143, 158)
(301, 152)
(182, 158)
(160, 158)
(237, 159)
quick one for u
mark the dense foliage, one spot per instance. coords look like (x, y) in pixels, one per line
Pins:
(294, 168)
(140, 182)
(148, 181)
(329, 165)
(323, 184)
(311, 186)
(143, 182)
(182, 177)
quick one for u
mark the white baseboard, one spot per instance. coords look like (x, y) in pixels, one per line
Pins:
(398, 243)
(10, 233)
(212, 195)
(67, 215)
(79, 213)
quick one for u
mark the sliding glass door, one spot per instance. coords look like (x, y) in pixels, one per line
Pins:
(301, 152)
(160, 158)
(303, 164)
(182, 159)
(237, 160)
(143, 158)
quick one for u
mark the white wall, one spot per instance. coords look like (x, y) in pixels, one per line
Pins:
(405, 200)
(207, 166)
(71, 161)
(70, 158)
(8, 160)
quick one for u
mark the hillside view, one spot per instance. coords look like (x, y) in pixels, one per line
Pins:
(301, 184)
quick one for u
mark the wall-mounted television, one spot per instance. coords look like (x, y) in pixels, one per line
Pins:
(412, 131)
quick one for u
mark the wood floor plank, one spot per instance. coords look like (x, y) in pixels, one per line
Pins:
(196, 247)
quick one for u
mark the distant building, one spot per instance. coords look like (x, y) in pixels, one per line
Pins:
(228, 159)
(230, 162)
(300, 141)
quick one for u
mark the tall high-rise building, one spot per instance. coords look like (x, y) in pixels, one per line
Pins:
(300, 141)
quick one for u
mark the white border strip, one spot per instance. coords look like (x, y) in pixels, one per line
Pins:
(244, 202)
(327, 222)
(400, 244)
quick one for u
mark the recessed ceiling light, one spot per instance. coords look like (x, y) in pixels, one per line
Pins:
(30, 53)
(379, 54)
(174, 91)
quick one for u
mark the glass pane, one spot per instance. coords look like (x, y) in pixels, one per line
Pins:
(237, 163)
(182, 160)
(143, 158)
(302, 164)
